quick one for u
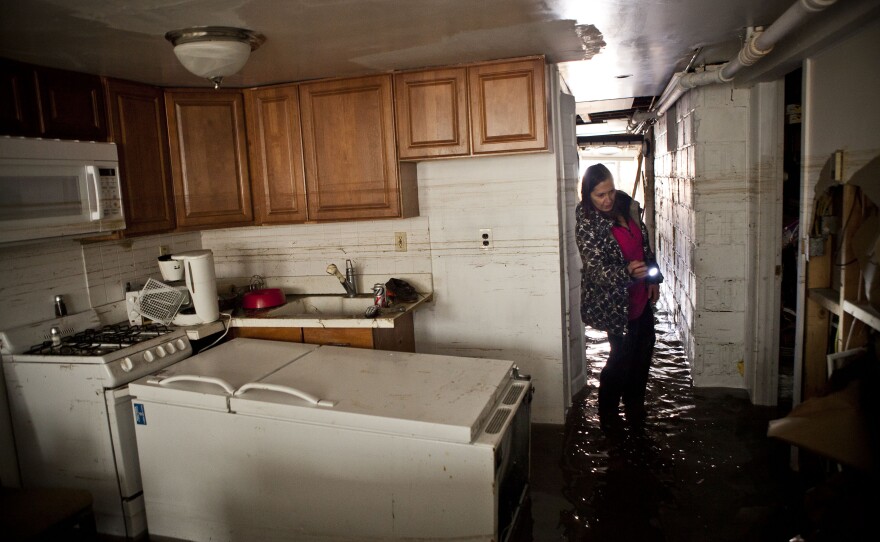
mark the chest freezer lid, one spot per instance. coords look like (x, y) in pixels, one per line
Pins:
(207, 380)
(420, 395)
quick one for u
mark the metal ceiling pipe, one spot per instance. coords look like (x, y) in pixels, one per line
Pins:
(640, 118)
(758, 44)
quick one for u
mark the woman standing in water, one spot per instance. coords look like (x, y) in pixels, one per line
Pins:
(617, 292)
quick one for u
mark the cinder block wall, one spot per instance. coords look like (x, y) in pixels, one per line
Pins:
(702, 214)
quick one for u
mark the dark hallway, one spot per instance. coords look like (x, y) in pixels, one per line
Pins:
(702, 469)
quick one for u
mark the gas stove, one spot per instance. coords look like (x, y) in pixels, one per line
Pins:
(125, 352)
(67, 381)
(99, 341)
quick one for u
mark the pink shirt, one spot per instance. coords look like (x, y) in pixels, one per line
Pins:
(630, 241)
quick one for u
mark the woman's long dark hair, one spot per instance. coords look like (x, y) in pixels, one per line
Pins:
(595, 174)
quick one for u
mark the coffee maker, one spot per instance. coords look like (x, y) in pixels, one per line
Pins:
(193, 273)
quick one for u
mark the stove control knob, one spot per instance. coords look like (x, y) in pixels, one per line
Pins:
(148, 357)
(127, 365)
(181, 344)
(161, 351)
(170, 347)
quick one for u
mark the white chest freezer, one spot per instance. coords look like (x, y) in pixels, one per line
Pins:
(333, 444)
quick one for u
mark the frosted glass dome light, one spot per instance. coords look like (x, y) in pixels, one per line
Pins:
(213, 52)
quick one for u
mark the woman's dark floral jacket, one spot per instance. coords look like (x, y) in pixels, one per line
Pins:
(604, 278)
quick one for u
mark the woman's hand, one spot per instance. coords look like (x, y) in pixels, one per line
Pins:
(654, 293)
(637, 269)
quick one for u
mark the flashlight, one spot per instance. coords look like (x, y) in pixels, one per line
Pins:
(654, 274)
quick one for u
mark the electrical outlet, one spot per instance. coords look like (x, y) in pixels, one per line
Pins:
(400, 241)
(485, 239)
(163, 250)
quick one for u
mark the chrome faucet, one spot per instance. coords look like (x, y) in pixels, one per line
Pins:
(347, 281)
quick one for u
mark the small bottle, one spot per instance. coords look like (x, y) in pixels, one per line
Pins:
(60, 307)
(55, 333)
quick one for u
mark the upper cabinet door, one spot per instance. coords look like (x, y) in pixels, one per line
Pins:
(71, 105)
(508, 106)
(139, 129)
(19, 110)
(349, 149)
(275, 152)
(208, 158)
(432, 115)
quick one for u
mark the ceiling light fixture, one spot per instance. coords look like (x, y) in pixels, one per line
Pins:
(214, 52)
(608, 150)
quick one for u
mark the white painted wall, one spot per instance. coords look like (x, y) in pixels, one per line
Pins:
(764, 245)
(504, 302)
(702, 212)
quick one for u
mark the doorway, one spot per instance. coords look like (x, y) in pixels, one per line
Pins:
(791, 195)
(621, 160)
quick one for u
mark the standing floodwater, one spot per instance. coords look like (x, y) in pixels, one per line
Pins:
(700, 469)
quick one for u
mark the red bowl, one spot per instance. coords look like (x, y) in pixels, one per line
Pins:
(263, 299)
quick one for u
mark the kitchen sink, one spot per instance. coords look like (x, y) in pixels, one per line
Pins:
(323, 306)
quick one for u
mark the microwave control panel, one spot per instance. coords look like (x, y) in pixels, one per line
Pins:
(111, 201)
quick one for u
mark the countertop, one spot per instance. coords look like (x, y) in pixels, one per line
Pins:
(275, 316)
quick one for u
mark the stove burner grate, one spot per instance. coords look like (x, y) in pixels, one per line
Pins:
(100, 341)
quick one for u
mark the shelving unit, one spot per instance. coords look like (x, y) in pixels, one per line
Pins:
(864, 313)
(834, 290)
(826, 297)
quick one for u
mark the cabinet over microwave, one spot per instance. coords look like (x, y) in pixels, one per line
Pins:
(53, 188)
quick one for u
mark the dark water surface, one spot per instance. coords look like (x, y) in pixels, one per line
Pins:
(701, 469)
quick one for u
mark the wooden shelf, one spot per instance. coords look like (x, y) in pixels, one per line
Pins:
(864, 312)
(828, 298)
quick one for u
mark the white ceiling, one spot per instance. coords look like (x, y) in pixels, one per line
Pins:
(595, 41)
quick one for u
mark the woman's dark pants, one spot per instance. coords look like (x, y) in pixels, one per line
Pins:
(625, 375)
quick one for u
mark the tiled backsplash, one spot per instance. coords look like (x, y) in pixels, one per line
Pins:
(92, 275)
(30, 277)
(109, 266)
(296, 257)
(293, 257)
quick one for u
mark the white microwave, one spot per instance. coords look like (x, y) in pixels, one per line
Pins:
(53, 188)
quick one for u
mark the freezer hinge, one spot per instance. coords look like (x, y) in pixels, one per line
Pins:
(517, 376)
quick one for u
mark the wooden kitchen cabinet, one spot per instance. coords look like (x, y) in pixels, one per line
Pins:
(139, 129)
(209, 163)
(432, 113)
(275, 152)
(51, 103)
(400, 338)
(349, 151)
(508, 106)
(71, 105)
(287, 334)
(19, 104)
